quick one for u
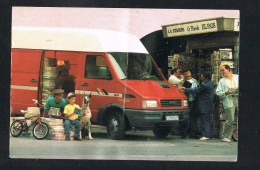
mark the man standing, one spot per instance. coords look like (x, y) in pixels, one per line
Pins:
(56, 101)
(187, 76)
(204, 103)
(174, 78)
(227, 90)
(191, 99)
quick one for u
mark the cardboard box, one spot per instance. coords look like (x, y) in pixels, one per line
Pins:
(52, 121)
(48, 84)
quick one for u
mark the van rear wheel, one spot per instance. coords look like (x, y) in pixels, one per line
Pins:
(161, 131)
(116, 126)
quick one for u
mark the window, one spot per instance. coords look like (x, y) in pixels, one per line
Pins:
(135, 66)
(96, 67)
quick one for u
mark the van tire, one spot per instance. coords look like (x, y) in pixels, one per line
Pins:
(161, 132)
(116, 126)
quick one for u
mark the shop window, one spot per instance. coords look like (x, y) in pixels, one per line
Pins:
(96, 67)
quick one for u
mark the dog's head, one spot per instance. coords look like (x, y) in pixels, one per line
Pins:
(87, 99)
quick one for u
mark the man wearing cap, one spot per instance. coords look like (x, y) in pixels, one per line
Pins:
(56, 101)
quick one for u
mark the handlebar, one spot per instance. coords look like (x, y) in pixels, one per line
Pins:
(36, 102)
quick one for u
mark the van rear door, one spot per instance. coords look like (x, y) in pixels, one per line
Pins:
(25, 71)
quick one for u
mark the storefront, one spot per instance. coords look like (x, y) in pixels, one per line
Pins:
(204, 40)
(197, 45)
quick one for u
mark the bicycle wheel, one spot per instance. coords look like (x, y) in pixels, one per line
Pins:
(16, 128)
(41, 130)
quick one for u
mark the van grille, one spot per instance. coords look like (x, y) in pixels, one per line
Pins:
(170, 103)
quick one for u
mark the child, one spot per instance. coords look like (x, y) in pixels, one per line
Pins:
(71, 117)
(86, 119)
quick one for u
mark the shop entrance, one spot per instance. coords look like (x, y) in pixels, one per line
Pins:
(208, 59)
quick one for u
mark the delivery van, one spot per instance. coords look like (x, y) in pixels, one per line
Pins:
(128, 91)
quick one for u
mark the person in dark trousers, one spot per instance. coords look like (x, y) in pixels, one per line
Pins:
(192, 124)
(204, 103)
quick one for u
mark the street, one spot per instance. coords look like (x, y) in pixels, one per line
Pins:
(137, 145)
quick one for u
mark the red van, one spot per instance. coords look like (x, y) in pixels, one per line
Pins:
(128, 90)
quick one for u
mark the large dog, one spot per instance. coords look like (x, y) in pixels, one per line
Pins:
(85, 120)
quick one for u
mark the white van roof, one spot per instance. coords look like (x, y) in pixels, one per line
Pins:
(73, 39)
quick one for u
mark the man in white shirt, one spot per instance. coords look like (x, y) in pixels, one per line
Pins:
(227, 90)
(192, 126)
(176, 77)
(187, 75)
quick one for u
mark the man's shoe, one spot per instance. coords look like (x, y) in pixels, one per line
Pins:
(90, 138)
(77, 138)
(204, 138)
(225, 140)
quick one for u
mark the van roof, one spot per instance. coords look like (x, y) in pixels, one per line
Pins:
(74, 39)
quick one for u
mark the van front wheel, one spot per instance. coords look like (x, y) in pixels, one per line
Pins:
(116, 126)
(161, 132)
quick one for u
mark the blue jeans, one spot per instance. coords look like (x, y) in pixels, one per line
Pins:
(68, 123)
(205, 124)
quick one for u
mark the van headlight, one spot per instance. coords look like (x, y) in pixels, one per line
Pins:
(185, 103)
(149, 104)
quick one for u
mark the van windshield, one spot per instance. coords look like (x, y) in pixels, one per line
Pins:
(135, 66)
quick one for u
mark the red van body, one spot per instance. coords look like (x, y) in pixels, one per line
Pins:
(127, 88)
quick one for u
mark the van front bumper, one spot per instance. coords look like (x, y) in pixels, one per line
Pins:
(150, 118)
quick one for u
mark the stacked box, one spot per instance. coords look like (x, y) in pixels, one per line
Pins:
(52, 121)
(50, 62)
(50, 73)
(58, 133)
(57, 129)
(49, 77)
(48, 84)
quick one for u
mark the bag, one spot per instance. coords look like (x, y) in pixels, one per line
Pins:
(30, 114)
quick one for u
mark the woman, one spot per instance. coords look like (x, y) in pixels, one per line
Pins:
(227, 90)
(204, 103)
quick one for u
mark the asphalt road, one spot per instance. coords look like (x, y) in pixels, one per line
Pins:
(139, 145)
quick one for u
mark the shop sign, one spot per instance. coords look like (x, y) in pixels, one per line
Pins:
(192, 28)
(236, 25)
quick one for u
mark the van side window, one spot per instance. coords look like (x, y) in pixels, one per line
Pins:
(96, 67)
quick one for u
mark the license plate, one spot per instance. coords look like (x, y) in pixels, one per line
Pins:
(175, 117)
